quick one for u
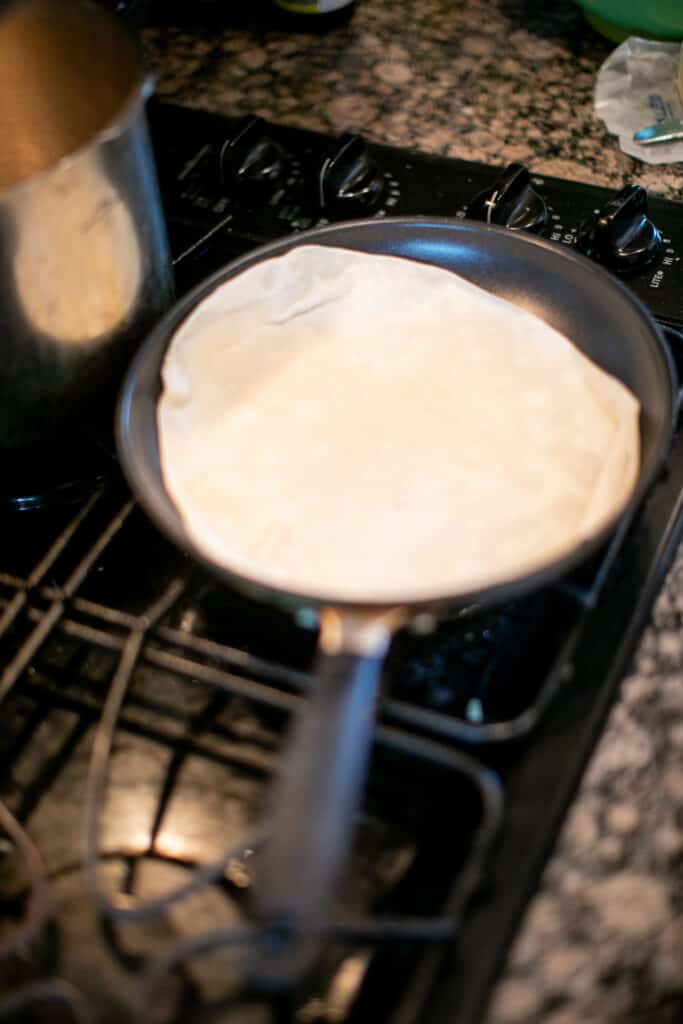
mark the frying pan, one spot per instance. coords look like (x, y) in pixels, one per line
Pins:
(315, 798)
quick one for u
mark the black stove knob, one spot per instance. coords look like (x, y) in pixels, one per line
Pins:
(511, 202)
(621, 233)
(250, 160)
(350, 183)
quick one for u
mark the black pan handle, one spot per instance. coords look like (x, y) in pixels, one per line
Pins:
(315, 800)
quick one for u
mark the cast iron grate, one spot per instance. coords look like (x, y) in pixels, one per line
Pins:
(144, 684)
(146, 708)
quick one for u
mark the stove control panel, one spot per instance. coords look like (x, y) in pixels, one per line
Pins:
(230, 184)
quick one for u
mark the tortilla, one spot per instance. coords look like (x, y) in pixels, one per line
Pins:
(371, 428)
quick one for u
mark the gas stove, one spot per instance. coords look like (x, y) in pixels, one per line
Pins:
(144, 704)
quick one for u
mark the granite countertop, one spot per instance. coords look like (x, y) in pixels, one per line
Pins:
(502, 80)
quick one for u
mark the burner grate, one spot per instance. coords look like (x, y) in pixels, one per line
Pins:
(148, 707)
(159, 726)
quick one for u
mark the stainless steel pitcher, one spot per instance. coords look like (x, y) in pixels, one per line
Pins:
(84, 262)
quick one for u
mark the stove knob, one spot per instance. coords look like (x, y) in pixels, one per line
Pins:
(511, 202)
(249, 160)
(621, 234)
(349, 182)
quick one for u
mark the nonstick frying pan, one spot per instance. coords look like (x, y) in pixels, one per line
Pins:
(315, 799)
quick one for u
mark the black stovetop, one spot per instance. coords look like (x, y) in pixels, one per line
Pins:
(144, 706)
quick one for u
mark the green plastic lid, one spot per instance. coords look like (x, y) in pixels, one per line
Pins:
(650, 19)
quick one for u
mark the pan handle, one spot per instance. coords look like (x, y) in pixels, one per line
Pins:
(315, 799)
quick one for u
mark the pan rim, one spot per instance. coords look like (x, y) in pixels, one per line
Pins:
(162, 512)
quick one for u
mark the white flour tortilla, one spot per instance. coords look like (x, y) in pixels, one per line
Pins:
(366, 427)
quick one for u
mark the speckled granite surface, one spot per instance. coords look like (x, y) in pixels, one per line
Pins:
(498, 80)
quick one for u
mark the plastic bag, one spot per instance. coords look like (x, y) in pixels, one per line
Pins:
(636, 87)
